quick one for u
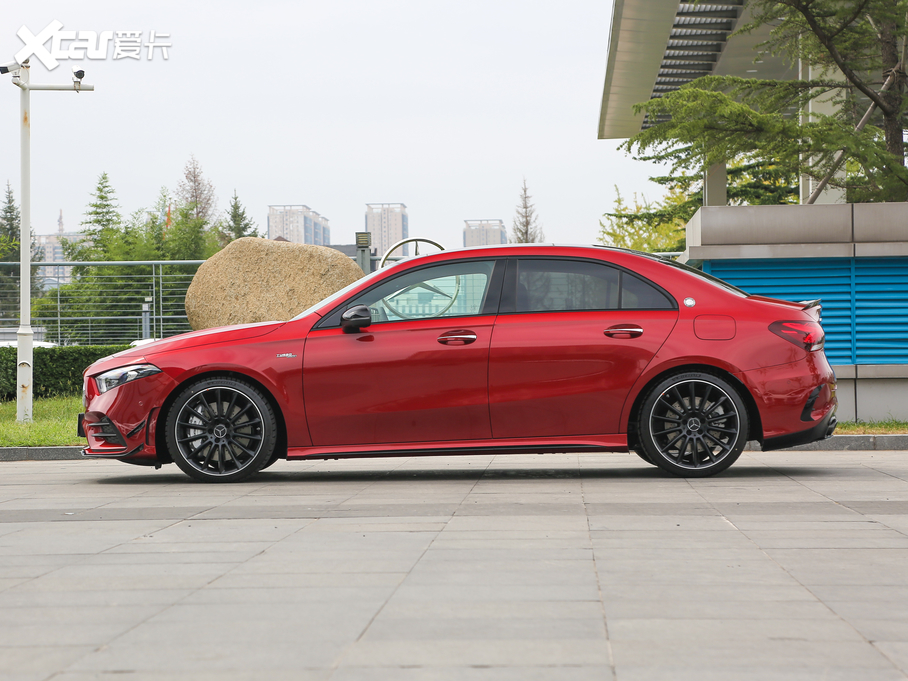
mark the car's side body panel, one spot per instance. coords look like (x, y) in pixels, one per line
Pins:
(397, 382)
(558, 373)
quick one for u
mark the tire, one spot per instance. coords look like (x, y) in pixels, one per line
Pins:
(639, 451)
(693, 425)
(221, 430)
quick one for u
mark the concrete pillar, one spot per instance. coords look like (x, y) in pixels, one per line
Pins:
(822, 105)
(715, 185)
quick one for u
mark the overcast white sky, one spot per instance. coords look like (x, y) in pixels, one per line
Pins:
(444, 106)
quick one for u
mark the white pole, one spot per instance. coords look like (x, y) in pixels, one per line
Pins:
(24, 336)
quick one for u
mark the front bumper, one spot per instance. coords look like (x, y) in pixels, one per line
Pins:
(121, 423)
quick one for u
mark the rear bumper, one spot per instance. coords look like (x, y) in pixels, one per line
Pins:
(822, 430)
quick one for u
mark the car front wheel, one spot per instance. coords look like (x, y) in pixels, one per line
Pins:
(221, 430)
(693, 425)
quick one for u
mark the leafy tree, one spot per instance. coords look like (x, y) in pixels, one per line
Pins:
(659, 226)
(645, 226)
(856, 45)
(7, 245)
(197, 192)
(107, 300)
(526, 228)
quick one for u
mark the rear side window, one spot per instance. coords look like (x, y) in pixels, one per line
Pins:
(638, 294)
(564, 285)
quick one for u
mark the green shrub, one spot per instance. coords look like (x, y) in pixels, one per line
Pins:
(58, 371)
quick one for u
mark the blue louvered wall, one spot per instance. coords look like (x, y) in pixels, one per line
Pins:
(865, 300)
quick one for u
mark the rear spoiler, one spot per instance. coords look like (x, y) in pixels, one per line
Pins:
(810, 305)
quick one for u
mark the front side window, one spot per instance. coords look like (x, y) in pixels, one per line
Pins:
(451, 290)
(563, 285)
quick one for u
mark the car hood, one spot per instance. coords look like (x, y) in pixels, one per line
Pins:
(192, 339)
(218, 334)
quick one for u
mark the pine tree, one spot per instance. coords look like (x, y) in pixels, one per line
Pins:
(855, 46)
(526, 228)
(237, 224)
(101, 227)
(10, 219)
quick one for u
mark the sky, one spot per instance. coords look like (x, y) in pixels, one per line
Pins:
(443, 106)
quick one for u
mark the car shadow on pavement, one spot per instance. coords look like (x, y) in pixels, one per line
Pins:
(642, 472)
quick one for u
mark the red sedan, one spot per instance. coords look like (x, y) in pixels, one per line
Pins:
(503, 349)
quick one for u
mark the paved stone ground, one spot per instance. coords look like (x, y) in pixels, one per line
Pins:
(792, 565)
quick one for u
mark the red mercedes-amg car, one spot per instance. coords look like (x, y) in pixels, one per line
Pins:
(532, 348)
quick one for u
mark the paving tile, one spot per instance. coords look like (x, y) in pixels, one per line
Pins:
(789, 566)
(448, 652)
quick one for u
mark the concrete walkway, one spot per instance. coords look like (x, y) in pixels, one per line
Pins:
(792, 565)
(864, 443)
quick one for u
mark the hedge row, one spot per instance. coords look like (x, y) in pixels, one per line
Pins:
(58, 371)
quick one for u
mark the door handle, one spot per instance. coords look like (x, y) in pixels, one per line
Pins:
(459, 337)
(629, 330)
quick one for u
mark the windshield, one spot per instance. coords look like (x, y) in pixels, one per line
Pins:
(334, 297)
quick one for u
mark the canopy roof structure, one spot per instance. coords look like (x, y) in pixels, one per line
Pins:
(656, 46)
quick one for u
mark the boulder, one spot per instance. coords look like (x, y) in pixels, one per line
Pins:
(259, 280)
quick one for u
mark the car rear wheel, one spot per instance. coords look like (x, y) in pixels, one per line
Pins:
(221, 430)
(693, 425)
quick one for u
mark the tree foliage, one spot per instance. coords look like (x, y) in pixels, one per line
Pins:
(526, 228)
(196, 192)
(659, 226)
(10, 222)
(236, 225)
(644, 226)
(106, 294)
(855, 45)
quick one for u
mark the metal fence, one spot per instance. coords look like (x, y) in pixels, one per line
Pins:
(110, 302)
(105, 302)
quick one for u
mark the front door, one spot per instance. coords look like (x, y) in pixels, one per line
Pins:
(418, 373)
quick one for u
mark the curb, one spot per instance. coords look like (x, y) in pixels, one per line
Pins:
(40, 453)
(843, 443)
(837, 443)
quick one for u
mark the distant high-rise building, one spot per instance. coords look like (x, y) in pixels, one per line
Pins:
(299, 225)
(388, 224)
(484, 233)
(52, 246)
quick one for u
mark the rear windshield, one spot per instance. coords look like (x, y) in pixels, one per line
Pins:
(715, 281)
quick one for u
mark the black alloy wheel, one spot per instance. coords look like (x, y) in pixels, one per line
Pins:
(221, 430)
(693, 425)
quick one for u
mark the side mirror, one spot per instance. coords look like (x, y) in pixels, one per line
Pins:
(356, 318)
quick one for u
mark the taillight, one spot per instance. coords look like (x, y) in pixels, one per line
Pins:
(809, 335)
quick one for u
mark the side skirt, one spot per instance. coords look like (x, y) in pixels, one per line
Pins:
(600, 443)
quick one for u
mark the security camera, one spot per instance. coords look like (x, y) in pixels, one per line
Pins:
(9, 66)
(78, 74)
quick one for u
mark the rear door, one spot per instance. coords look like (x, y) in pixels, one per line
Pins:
(571, 339)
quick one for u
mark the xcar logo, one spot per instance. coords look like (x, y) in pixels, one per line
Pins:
(87, 44)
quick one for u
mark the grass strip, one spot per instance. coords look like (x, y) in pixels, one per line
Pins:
(54, 424)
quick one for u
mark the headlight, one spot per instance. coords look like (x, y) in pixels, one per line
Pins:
(114, 377)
